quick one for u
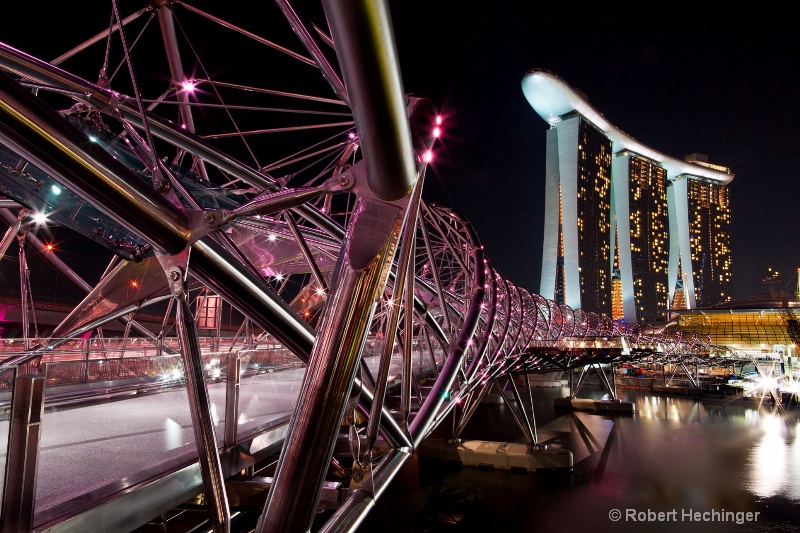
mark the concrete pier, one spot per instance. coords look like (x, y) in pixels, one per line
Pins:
(500, 455)
(584, 404)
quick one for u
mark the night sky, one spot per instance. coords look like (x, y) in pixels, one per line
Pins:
(676, 77)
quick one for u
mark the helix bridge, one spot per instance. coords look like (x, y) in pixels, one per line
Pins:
(285, 180)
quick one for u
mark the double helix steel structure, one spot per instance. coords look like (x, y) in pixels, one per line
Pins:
(289, 183)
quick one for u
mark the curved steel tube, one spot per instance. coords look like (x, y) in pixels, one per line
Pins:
(40, 134)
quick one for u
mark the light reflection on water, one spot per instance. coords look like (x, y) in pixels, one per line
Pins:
(771, 462)
(774, 460)
(674, 453)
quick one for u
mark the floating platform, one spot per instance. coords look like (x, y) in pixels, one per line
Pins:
(605, 406)
(499, 455)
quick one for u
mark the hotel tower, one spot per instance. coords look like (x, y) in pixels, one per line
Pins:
(628, 232)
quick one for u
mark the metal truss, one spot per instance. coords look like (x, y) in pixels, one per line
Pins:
(190, 184)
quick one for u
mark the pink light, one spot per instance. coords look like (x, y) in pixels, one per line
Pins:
(188, 86)
(428, 156)
(352, 135)
(438, 120)
(437, 131)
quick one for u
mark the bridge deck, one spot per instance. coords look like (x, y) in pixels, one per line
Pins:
(98, 450)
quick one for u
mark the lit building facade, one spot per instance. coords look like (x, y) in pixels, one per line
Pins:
(640, 212)
(701, 220)
(629, 232)
(578, 198)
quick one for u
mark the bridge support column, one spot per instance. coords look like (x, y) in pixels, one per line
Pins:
(608, 385)
(360, 276)
(199, 407)
(610, 405)
(573, 389)
(613, 382)
(517, 408)
(22, 461)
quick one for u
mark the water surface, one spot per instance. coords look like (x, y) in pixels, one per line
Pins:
(703, 465)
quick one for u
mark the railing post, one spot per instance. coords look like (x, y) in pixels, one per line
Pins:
(22, 462)
(232, 399)
(85, 369)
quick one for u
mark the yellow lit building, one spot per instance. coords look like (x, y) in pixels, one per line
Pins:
(610, 200)
(760, 332)
(640, 215)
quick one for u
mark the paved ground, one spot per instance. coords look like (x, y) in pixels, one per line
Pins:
(113, 444)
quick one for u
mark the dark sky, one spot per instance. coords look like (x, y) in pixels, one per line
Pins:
(677, 77)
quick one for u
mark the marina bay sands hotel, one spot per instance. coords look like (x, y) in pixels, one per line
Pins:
(629, 232)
